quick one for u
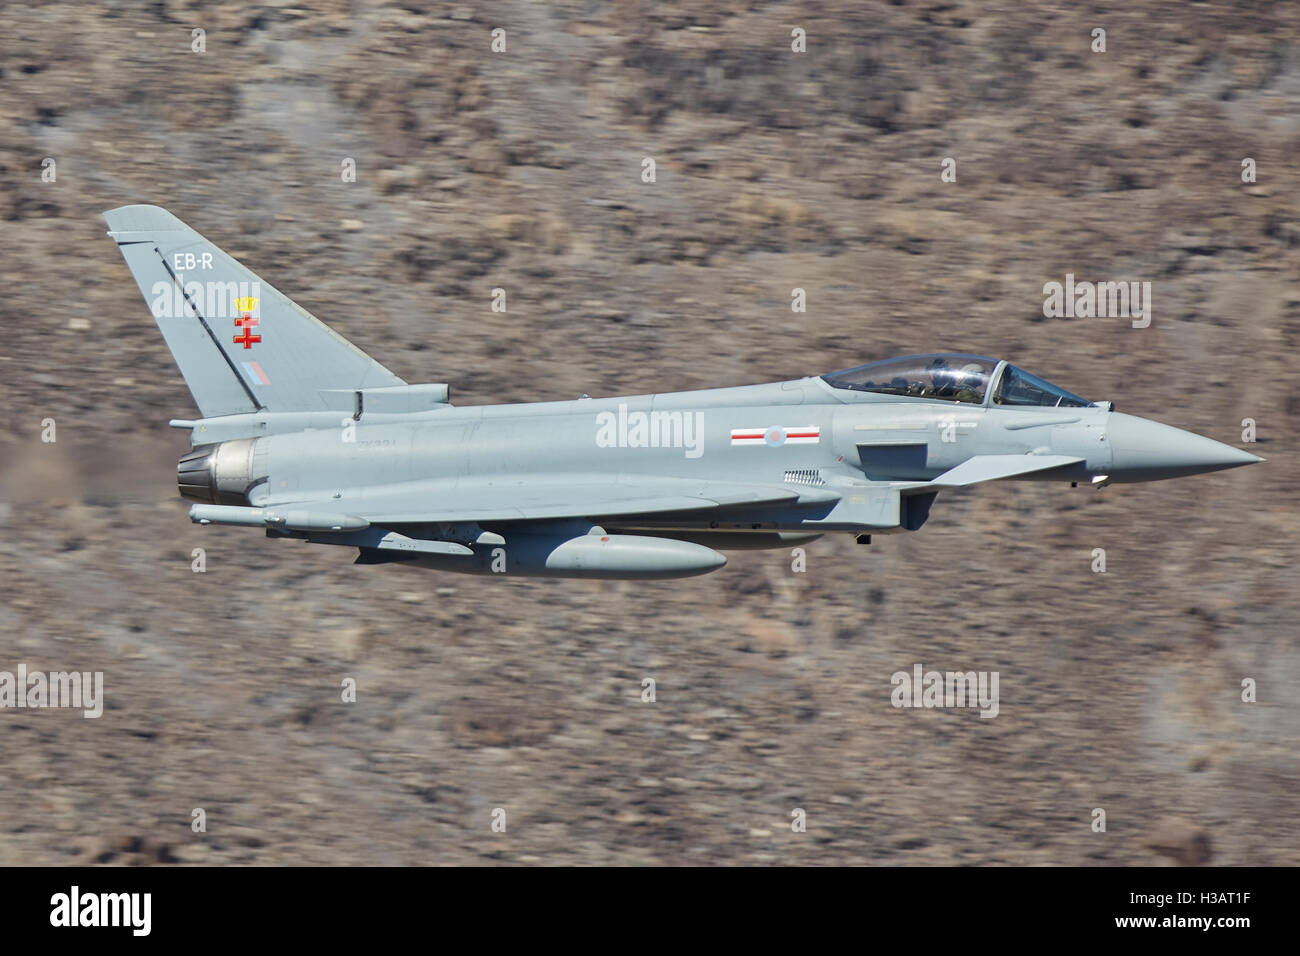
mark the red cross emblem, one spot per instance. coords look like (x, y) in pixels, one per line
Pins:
(246, 338)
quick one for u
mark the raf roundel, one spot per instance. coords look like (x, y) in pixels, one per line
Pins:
(775, 436)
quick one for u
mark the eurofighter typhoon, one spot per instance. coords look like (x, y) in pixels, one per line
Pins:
(304, 435)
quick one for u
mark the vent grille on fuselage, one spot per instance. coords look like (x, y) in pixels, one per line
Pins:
(804, 476)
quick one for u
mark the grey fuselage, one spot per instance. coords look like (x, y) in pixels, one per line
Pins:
(853, 461)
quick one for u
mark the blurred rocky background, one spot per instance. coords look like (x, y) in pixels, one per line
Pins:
(775, 170)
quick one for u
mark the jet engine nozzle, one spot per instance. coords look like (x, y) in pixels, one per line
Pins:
(219, 474)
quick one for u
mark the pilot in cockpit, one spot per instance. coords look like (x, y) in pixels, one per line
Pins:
(939, 380)
(958, 385)
(970, 384)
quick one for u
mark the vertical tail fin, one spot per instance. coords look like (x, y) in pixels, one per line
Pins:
(240, 344)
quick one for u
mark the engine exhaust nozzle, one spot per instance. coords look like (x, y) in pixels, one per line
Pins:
(220, 474)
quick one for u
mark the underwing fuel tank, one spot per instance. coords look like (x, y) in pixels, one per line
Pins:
(583, 556)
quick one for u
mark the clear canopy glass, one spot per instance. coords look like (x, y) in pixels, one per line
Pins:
(1017, 387)
(954, 378)
(951, 378)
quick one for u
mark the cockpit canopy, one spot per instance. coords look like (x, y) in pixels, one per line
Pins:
(1017, 387)
(954, 378)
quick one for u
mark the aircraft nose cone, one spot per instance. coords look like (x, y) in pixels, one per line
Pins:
(1143, 450)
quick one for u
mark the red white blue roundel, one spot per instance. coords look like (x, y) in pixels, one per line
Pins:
(774, 436)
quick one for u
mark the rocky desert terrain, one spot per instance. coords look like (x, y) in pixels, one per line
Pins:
(775, 170)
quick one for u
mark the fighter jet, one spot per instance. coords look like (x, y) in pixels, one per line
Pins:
(303, 434)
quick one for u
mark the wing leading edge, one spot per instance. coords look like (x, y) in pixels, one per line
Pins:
(992, 467)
